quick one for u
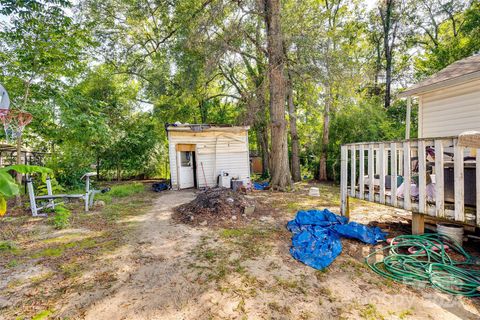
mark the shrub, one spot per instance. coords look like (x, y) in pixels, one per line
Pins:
(61, 217)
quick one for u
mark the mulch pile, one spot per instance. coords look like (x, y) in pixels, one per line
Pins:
(214, 206)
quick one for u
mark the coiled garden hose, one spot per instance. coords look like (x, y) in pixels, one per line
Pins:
(455, 272)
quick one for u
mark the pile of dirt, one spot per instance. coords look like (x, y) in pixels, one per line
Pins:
(214, 206)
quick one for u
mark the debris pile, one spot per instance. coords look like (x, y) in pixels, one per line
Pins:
(214, 205)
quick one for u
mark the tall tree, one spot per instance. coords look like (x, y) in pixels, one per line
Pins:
(292, 116)
(281, 177)
(391, 13)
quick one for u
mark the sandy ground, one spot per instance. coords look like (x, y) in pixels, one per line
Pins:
(171, 271)
(168, 270)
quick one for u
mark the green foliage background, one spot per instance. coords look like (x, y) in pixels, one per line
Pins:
(102, 78)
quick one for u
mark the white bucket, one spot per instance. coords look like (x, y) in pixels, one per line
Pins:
(455, 232)
(314, 192)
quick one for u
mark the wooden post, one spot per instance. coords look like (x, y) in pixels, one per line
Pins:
(381, 161)
(407, 201)
(418, 223)
(439, 180)
(393, 179)
(422, 177)
(353, 172)
(458, 173)
(371, 176)
(361, 173)
(343, 180)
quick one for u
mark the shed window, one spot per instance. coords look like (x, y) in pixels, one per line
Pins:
(186, 158)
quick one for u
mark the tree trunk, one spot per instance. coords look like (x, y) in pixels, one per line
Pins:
(295, 162)
(280, 170)
(389, 34)
(322, 174)
(388, 79)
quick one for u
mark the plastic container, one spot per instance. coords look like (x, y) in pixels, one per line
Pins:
(455, 232)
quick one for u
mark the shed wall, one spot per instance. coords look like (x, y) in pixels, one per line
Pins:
(450, 111)
(216, 151)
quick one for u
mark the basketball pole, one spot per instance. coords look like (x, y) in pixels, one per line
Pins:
(18, 198)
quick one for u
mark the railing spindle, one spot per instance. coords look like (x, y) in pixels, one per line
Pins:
(353, 172)
(439, 180)
(393, 177)
(407, 201)
(361, 173)
(371, 176)
(458, 172)
(381, 161)
(422, 177)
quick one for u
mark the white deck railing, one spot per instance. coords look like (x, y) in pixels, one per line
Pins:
(366, 169)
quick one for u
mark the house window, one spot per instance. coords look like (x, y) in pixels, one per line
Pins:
(186, 158)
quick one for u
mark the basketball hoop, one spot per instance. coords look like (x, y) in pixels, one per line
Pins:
(14, 121)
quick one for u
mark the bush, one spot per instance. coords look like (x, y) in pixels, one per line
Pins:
(61, 217)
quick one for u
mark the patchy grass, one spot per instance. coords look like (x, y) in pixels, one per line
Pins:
(370, 312)
(45, 314)
(34, 243)
(8, 246)
(49, 252)
(121, 191)
(291, 285)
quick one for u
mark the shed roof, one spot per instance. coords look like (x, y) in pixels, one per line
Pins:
(458, 72)
(186, 127)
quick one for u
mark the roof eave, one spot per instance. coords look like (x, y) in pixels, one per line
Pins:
(439, 85)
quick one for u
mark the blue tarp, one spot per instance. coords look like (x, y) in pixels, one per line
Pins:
(260, 185)
(316, 236)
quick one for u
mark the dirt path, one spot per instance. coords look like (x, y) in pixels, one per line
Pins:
(152, 278)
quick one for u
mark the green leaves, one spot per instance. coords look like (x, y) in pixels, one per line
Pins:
(8, 186)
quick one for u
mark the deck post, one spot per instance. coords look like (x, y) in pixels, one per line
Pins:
(371, 176)
(422, 177)
(418, 223)
(382, 174)
(343, 180)
(407, 201)
(439, 180)
(458, 172)
(353, 172)
(361, 174)
(393, 174)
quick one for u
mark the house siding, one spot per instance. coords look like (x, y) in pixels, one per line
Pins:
(450, 111)
(216, 151)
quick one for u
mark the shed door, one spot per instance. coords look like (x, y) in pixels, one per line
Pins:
(186, 170)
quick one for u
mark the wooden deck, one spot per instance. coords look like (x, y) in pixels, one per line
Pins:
(367, 167)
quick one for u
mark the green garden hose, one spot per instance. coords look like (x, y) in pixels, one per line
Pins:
(428, 262)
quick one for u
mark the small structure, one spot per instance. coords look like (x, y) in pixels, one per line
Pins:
(436, 175)
(207, 155)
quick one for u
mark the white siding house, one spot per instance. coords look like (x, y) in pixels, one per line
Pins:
(449, 101)
(199, 153)
(436, 175)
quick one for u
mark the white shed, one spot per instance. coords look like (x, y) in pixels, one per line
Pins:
(199, 153)
(449, 101)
